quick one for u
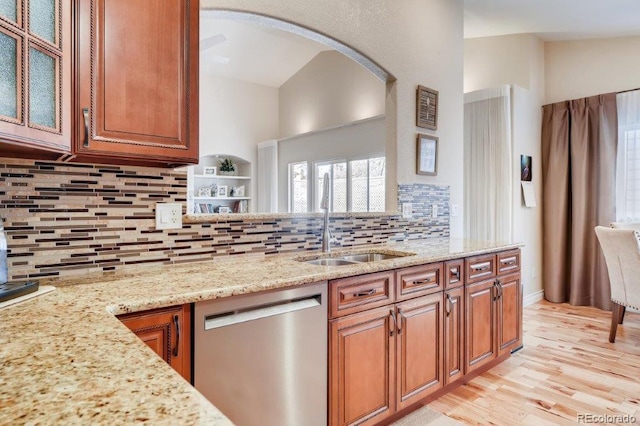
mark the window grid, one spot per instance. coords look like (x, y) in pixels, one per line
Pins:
(632, 175)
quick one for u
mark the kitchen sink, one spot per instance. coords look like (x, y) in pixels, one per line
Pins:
(352, 259)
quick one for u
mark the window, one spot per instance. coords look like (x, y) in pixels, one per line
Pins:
(298, 188)
(357, 185)
(628, 170)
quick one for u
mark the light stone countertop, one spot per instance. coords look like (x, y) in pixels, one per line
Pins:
(66, 359)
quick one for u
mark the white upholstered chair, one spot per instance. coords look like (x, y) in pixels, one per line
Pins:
(625, 225)
(622, 254)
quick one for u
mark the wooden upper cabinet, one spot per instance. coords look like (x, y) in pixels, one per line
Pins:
(35, 79)
(137, 81)
(167, 331)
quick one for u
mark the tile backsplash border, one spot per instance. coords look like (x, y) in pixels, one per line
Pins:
(67, 219)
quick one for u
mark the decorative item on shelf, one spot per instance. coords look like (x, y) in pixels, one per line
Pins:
(224, 209)
(427, 155)
(222, 191)
(232, 191)
(210, 171)
(427, 108)
(205, 191)
(227, 168)
(214, 190)
(238, 191)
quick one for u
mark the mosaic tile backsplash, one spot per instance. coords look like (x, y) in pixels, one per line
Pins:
(66, 219)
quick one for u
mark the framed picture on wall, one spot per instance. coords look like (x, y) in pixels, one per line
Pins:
(427, 155)
(525, 168)
(427, 108)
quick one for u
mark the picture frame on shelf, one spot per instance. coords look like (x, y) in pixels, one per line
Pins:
(238, 191)
(212, 171)
(224, 209)
(427, 155)
(427, 108)
(222, 190)
(204, 191)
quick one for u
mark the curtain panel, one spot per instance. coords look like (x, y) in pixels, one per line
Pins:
(579, 142)
(488, 176)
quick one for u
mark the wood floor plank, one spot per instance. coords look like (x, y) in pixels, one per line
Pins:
(566, 367)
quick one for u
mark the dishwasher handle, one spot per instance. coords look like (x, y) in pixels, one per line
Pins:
(259, 312)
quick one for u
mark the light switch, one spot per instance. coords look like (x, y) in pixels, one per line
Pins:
(407, 210)
(168, 215)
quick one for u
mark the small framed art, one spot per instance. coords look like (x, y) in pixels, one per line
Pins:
(222, 191)
(210, 170)
(427, 155)
(427, 108)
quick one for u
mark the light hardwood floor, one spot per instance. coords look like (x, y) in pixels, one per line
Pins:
(567, 367)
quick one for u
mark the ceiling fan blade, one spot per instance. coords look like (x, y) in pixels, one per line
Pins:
(209, 42)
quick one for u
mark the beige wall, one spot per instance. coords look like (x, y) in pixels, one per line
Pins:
(235, 116)
(389, 33)
(581, 68)
(517, 60)
(331, 90)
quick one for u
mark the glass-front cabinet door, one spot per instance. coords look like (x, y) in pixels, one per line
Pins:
(35, 77)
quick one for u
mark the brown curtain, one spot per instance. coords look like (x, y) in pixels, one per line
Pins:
(579, 142)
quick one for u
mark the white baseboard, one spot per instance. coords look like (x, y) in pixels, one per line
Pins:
(533, 298)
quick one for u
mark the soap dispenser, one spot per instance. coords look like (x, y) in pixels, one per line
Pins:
(3, 255)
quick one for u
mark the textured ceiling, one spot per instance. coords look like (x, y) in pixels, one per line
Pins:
(552, 19)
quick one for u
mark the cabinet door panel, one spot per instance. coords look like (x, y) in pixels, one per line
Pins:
(454, 335)
(509, 313)
(480, 324)
(147, 109)
(361, 374)
(420, 348)
(167, 331)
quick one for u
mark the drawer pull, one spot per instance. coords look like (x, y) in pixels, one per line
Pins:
(509, 262)
(176, 322)
(420, 282)
(365, 293)
(400, 317)
(482, 267)
(455, 273)
(85, 114)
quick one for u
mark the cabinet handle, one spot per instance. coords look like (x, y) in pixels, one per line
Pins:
(449, 304)
(494, 290)
(400, 317)
(176, 322)
(499, 288)
(85, 113)
(509, 262)
(365, 293)
(455, 272)
(479, 268)
(425, 281)
(392, 323)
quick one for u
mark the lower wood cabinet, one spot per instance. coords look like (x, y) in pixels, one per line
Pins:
(394, 340)
(167, 331)
(420, 347)
(362, 367)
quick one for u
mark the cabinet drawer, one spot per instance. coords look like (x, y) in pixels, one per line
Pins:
(356, 294)
(508, 262)
(480, 268)
(453, 273)
(418, 281)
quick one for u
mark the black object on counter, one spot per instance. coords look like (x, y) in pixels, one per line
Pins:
(10, 291)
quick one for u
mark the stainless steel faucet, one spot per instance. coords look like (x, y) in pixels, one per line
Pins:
(324, 205)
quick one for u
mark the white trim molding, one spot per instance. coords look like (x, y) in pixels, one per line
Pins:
(532, 298)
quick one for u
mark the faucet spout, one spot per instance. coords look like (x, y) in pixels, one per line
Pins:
(324, 205)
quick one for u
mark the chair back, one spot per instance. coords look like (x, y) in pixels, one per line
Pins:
(622, 255)
(625, 225)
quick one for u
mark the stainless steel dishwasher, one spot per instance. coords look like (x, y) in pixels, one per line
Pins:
(262, 358)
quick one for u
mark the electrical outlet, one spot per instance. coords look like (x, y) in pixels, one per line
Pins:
(434, 210)
(455, 210)
(168, 215)
(407, 210)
